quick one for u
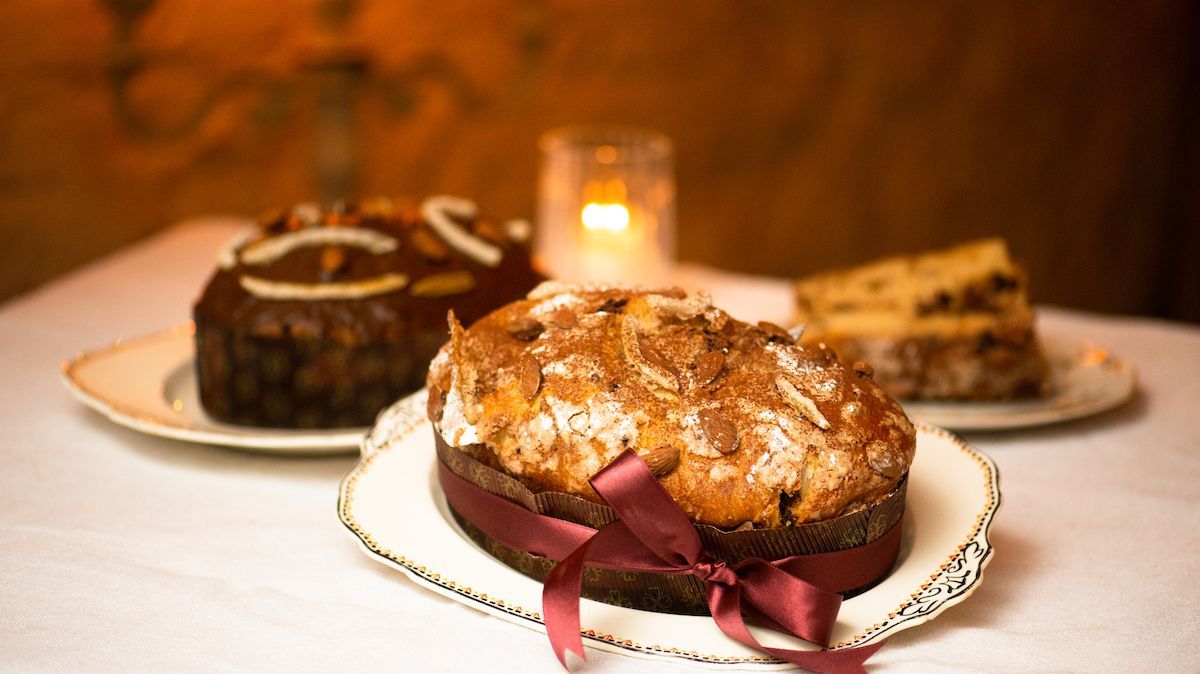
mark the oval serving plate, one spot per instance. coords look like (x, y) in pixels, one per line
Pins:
(148, 384)
(953, 495)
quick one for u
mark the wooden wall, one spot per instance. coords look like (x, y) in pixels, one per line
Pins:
(807, 135)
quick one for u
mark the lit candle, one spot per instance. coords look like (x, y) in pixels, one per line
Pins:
(606, 205)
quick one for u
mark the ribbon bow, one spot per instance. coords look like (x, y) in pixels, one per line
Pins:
(653, 535)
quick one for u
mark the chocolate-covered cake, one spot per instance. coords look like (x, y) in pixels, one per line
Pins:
(318, 319)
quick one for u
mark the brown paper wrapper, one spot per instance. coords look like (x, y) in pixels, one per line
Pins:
(682, 594)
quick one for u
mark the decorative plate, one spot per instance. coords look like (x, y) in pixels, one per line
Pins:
(148, 384)
(1087, 379)
(953, 495)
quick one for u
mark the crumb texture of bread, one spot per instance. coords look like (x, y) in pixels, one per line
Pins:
(765, 431)
(947, 324)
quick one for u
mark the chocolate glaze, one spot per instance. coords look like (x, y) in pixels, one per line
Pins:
(325, 363)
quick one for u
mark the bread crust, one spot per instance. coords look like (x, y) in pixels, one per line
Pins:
(780, 434)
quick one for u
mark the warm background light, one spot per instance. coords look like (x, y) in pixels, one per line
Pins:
(808, 135)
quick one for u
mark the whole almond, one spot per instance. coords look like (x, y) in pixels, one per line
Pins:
(775, 333)
(531, 376)
(719, 430)
(651, 354)
(441, 285)
(708, 366)
(429, 246)
(662, 461)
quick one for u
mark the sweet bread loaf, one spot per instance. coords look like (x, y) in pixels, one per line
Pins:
(744, 427)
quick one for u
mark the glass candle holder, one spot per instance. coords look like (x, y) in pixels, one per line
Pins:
(606, 205)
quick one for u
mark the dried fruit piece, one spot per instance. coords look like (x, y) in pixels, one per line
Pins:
(774, 332)
(490, 231)
(429, 246)
(435, 404)
(442, 285)
(719, 430)
(267, 329)
(863, 370)
(662, 461)
(708, 366)
(525, 329)
(801, 403)
(333, 260)
(530, 372)
(655, 374)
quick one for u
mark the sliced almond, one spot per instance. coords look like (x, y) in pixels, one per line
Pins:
(429, 246)
(801, 403)
(348, 290)
(565, 319)
(466, 377)
(662, 461)
(774, 332)
(530, 372)
(656, 375)
(440, 213)
(443, 285)
(709, 366)
(435, 404)
(719, 430)
(267, 251)
(682, 308)
(863, 370)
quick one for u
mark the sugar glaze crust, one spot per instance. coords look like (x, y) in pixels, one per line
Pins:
(629, 368)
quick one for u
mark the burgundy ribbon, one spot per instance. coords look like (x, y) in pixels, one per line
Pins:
(797, 595)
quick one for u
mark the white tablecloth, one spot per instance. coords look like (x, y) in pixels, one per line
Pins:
(121, 552)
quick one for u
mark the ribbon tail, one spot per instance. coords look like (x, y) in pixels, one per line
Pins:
(560, 604)
(725, 604)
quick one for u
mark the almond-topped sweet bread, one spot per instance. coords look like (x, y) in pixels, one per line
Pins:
(741, 424)
(950, 324)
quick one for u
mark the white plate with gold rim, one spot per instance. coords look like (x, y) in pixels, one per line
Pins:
(148, 384)
(1086, 379)
(392, 504)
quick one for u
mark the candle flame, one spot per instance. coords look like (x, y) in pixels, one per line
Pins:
(606, 217)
